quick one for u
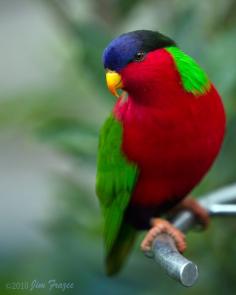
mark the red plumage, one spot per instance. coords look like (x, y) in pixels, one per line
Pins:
(171, 134)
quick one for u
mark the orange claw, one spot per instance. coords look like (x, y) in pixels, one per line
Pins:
(160, 226)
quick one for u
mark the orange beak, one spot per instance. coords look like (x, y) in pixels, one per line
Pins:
(114, 82)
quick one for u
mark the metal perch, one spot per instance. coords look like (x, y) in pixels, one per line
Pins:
(218, 203)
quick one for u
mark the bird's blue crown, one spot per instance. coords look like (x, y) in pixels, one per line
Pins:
(124, 48)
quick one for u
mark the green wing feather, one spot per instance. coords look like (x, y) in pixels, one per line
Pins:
(194, 79)
(115, 181)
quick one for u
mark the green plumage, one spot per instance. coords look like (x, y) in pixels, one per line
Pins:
(114, 184)
(194, 79)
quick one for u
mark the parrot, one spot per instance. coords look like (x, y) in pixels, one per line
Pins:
(162, 136)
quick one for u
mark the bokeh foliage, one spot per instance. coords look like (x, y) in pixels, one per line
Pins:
(67, 116)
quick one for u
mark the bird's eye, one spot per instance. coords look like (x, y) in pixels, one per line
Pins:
(139, 56)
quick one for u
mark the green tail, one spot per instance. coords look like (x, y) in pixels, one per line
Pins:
(120, 250)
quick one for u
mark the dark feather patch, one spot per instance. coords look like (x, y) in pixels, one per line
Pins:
(124, 48)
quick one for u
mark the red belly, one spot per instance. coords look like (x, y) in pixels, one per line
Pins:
(173, 148)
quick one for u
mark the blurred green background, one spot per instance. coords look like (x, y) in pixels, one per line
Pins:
(53, 99)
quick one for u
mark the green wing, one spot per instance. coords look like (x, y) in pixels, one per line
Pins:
(194, 79)
(115, 181)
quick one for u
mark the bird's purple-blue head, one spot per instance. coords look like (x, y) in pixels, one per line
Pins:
(133, 46)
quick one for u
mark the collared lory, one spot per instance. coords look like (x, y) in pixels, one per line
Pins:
(158, 142)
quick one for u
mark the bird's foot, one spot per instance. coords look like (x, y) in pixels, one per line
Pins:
(200, 213)
(160, 226)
